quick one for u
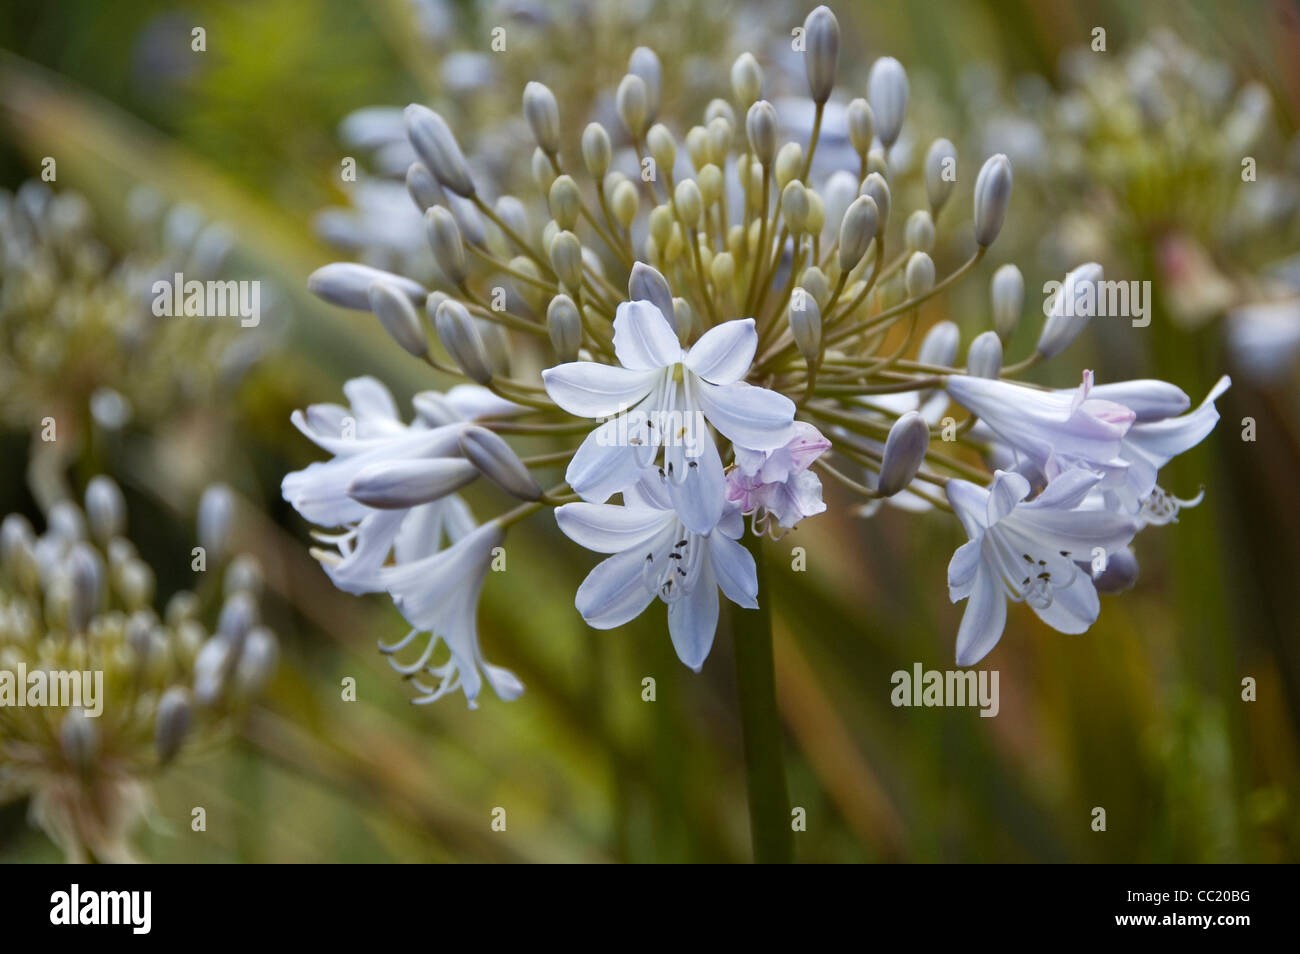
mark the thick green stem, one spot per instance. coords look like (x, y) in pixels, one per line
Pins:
(769, 799)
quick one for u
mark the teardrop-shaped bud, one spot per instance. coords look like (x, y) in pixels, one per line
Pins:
(1070, 309)
(821, 53)
(904, 453)
(1007, 291)
(862, 125)
(940, 173)
(984, 359)
(644, 62)
(543, 115)
(877, 188)
(172, 722)
(918, 279)
(647, 284)
(858, 228)
(887, 91)
(596, 150)
(564, 326)
(347, 284)
(939, 347)
(746, 79)
(105, 508)
(992, 196)
(760, 127)
(497, 461)
(402, 484)
(806, 325)
(399, 317)
(566, 260)
(633, 103)
(462, 341)
(448, 248)
(437, 148)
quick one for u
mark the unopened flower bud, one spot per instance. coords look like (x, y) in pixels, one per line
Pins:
(462, 341)
(85, 584)
(918, 234)
(904, 453)
(543, 115)
(1119, 574)
(806, 325)
(719, 133)
(794, 207)
(422, 186)
(172, 722)
(814, 282)
(566, 260)
(746, 79)
(402, 484)
(821, 52)
(689, 203)
(105, 508)
(939, 347)
(239, 614)
(711, 184)
(723, 271)
(857, 229)
(647, 284)
(512, 212)
(543, 171)
(1007, 291)
(632, 100)
(940, 173)
(992, 196)
(683, 319)
(497, 461)
(919, 277)
(862, 126)
(448, 248)
(244, 575)
(434, 143)
(887, 92)
(347, 284)
(662, 146)
(625, 203)
(789, 164)
(877, 188)
(256, 663)
(1069, 310)
(564, 325)
(760, 127)
(399, 317)
(596, 150)
(984, 359)
(644, 62)
(215, 517)
(565, 202)
(79, 739)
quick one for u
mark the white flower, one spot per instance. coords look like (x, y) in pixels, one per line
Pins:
(1026, 551)
(667, 383)
(438, 594)
(656, 555)
(778, 481)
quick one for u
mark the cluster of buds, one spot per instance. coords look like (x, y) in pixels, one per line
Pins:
(98, 690)
(83, 345)
(739, 329)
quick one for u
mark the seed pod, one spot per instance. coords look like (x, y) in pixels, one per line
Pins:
(1007, 291)
(596, 150)
(821, 53)
(462, 341)
(437, 148)
(939, 160)
(566, 260)
(398, 316)
(887, 92)
(564, 325)
(402, 484)
(498, 462)
(105, 508)
(862, 126)
(904, 453)
(172, 722)
(877, 188)
(984, 359)
(644, 62)
(918, 234)
(347, 284)
(543, 115)
(565, 202)
(806, 326)
(992, 196)
(760, 127)
(632, 100)
(746, 79)
(448, 248)
(919, 277)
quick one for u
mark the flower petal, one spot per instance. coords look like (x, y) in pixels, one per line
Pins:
(734, 567)
(693, 620)
(602, 467)
(1073, 608)
(752, 417)
(587, 389)
(984, 619)
(613, 593)
(606, 528)
(696, 485)
(724, 353)
(643, 338)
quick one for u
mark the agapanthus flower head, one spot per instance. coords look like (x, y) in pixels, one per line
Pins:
(147, 685)
(703, 323)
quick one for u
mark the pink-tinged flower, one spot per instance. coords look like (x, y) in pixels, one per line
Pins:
(663, 381)
(778, 481)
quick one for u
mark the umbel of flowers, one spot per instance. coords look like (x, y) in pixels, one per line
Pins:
(717, 332)
(99, 692)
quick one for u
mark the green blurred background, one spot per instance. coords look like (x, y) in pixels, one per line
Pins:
(1142, 716)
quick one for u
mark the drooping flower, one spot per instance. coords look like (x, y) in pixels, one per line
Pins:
(671, 388)
(1025, 551)
(655, 555)
(778, 482)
